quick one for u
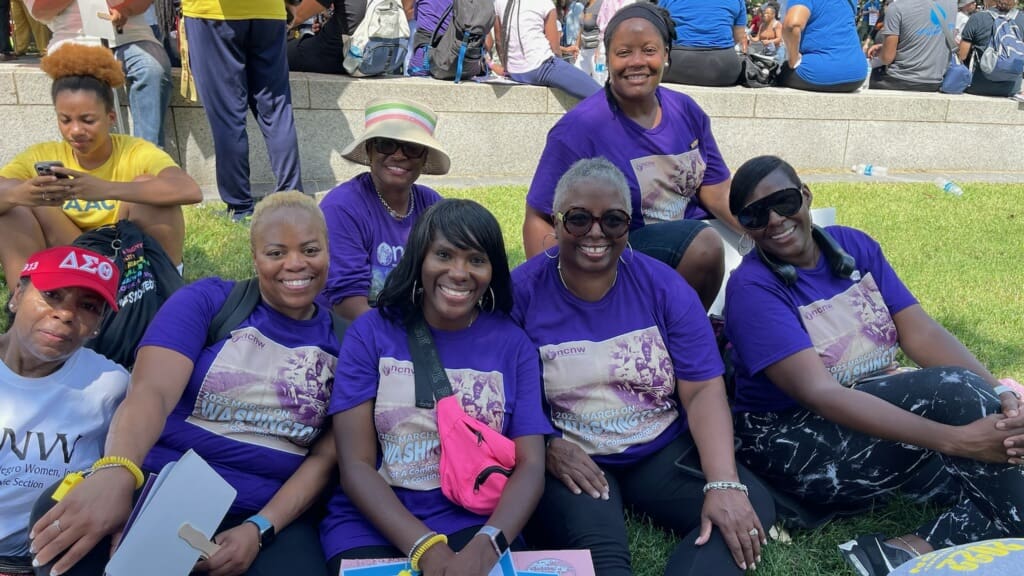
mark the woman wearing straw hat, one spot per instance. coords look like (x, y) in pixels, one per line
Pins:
(370, 216)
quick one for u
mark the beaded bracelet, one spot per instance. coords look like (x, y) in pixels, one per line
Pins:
(721, 485)
(414, 560)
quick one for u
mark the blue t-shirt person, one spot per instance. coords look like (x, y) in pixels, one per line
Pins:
(706, 23)
(830, 48)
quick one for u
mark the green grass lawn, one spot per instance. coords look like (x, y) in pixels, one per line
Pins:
(962, 258)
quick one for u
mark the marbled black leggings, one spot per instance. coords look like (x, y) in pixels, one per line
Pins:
(801, 453)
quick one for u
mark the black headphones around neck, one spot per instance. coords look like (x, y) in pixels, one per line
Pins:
(839, 261)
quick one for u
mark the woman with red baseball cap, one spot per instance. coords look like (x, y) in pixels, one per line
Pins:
(56, 397)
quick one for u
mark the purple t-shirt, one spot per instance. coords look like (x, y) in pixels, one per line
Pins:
(428, 18)
(848, 321)
(610, 367)
(256, 401)
(366, 242)
(492, 367)
(664, 166)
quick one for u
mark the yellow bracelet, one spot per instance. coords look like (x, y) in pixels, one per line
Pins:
(123, 462)
(414, 560)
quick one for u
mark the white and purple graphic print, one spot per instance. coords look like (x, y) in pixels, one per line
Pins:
(853, 332)
(611, 395)
(260, 392)
(668, 183)
(408, 435)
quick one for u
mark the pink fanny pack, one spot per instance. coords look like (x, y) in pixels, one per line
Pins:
(476, 460)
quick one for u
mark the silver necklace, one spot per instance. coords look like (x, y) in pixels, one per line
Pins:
(396, 215)
(562, 278)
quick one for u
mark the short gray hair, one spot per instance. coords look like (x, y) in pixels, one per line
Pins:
(595, 170)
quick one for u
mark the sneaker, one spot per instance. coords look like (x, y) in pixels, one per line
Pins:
(871, 556)
(1018, 97)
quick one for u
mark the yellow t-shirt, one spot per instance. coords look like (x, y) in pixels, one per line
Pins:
(234, 9)
(131, 158)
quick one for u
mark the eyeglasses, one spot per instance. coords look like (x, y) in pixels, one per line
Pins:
(579, 221)
(786, 202)
(387, 147)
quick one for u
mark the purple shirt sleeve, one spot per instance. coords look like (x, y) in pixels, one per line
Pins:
(764, 327)
(182, 322)
(357, 375)
(349, 238)
(865, 249)
(528, 416)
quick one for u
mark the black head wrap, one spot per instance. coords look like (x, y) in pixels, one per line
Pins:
(653, 13)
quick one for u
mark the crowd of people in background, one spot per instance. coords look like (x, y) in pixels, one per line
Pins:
(373, 313)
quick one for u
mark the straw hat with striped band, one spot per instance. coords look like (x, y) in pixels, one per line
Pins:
(405, 121)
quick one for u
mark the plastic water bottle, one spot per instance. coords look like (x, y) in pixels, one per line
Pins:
(600, 66)
(870, 170)
(867, 79)
(948, 186)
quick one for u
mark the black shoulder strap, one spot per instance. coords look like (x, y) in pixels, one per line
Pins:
(242, 300)
(431, 379)
(435, 38)
(339, 325)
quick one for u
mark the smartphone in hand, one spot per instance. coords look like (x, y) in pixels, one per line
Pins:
(45, 168)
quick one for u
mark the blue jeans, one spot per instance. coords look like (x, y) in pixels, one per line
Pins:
(558, 73)
(148, 71)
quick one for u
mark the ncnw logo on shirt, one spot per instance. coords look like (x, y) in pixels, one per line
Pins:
(9, 442)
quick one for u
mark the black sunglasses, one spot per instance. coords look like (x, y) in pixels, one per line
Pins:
(387, 147)
(786, 202)
(579, 221)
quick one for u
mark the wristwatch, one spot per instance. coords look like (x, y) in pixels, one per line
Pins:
(497, 539)
(265, 527)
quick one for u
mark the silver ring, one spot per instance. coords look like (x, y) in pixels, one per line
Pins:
(753, 532)
(56, 524)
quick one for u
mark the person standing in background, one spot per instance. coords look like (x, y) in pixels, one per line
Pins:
(146, 65)
(27, 29)
(240, 62)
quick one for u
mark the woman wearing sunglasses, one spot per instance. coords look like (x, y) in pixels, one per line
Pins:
(823, 411)
(370, 216)
(633, 383)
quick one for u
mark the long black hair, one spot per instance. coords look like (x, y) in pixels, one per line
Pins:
(467, 225)
(750, 174)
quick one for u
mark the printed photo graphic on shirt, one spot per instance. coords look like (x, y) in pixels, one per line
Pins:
(262, 393)
(385, 258)
(611, 395)
(853, 332)
(668, 183)
(410, 448)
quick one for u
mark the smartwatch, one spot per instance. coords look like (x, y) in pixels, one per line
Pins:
(265, 527)
(497, 539)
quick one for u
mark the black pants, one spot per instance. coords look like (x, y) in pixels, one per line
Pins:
(704, 67)
(789, 78)
(882, 81)
(311, 54)
(820, 462)
(295, 550)
(5, 27)
(667, 488)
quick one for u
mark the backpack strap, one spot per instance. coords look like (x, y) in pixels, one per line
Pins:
(431, 379)
(339, 325)
(241, 301)
(435, 38)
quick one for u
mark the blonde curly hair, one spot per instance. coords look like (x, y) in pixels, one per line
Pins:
(76, 67)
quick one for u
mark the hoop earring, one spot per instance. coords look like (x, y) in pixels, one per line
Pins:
(415, 291)
(632, 254)
(480, 302)
(745, 245)
(546, 253)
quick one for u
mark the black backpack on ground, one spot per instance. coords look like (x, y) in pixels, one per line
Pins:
(241, 301)
(458, 54)
(148, 278)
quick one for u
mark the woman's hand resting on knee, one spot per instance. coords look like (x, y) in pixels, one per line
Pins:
(731, 512)
(984, 440)
(570, 464)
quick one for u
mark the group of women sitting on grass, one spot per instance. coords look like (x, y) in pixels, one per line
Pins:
(594, 358)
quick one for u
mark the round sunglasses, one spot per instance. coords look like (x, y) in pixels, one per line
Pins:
(387, 147)
(785, 203)
(579, 221)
